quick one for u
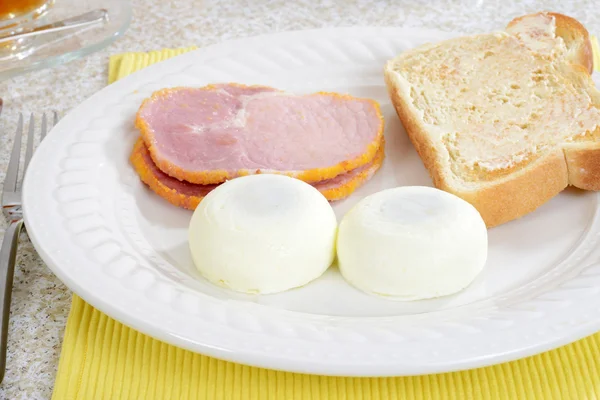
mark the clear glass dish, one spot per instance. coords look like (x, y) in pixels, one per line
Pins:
(49, 50)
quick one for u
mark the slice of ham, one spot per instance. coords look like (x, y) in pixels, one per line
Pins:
(188, 195)
(210, 134)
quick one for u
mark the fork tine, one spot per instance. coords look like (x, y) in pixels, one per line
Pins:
(10, 181)
(55, 119)
(29, 149)
(44, 127)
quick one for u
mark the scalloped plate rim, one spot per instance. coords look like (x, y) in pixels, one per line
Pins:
(276, 361)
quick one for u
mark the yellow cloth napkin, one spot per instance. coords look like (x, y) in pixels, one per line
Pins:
(103, 359)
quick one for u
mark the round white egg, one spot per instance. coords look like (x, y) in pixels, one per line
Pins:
(263, 234)
(412, 243)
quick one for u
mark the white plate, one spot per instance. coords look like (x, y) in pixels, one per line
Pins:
(124, 250)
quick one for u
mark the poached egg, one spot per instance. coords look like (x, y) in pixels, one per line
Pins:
(411, 243)
(263, 234)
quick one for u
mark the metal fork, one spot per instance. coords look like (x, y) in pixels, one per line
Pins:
(11, 207)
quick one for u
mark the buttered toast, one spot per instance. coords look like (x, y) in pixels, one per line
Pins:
(504, 120)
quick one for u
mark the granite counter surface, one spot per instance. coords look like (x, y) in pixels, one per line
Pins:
(40, 303)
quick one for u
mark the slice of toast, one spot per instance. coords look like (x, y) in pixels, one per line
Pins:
(504, 120)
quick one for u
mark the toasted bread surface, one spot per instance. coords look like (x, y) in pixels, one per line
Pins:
(511, 128)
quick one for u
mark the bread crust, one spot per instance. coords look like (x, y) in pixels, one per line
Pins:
(525, 190)
(584, 166)
(575, 36)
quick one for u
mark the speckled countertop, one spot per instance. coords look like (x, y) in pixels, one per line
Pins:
(40, 303)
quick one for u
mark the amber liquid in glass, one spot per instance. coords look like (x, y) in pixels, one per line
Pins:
(13, 8)
(14, 13)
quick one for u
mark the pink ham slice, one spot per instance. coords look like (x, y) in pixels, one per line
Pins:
(210, 134)
(188, 195)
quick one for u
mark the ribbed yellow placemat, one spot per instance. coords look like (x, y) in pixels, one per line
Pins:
(103, 359)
